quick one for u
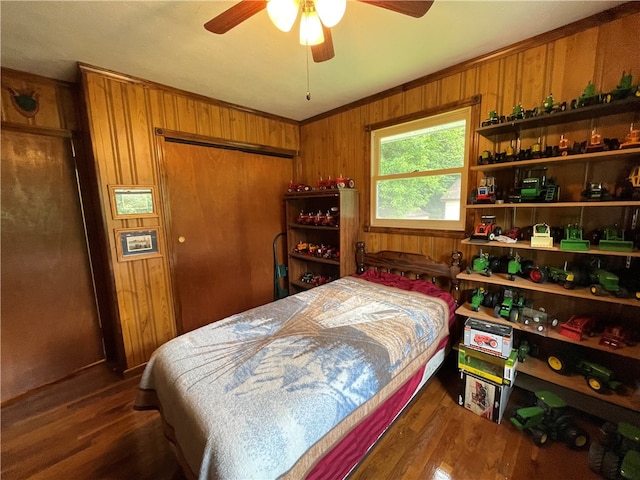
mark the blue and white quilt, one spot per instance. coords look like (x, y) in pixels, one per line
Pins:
(259, 394)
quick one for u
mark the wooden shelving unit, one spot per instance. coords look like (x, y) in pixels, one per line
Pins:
(580, 166)
(343, 236)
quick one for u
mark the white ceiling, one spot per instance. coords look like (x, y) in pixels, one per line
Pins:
(257, 66)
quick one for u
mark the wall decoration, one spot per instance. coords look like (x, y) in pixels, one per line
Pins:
(138, 243)
(25, 101)
(129, 201)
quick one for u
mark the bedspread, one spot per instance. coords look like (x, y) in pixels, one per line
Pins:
(264, 393)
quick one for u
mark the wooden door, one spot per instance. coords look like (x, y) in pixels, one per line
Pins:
(224, 209)
(50, 325)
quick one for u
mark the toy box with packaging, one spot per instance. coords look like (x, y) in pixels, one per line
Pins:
(483, 397)
(491, 337)
(491, 367)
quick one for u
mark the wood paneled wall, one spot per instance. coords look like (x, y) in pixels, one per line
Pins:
(561, 62)
(50, 322)
(122, 114)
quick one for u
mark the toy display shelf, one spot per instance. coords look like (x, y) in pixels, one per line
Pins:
(589, 342)
(524, 284)
(631, 104)
(525, 245)
(311, 258)
(623, 154)
(623, 203)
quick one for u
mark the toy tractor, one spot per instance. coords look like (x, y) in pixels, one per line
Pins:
(548, 420)
(511, 306)
(624, 89)
(483, 263)
(599, 378)
(481, 296)
(486, 191)
(486, 230)
(603, 281)
(616, 453)
(588, 97)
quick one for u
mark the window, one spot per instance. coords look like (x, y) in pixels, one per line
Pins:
(419, 172)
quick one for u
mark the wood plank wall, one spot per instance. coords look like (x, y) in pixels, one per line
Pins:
(561, 62)
(122, 114)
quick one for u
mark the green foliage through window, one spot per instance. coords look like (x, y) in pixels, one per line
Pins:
(419, 170)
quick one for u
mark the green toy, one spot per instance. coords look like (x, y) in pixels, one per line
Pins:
(616, 454)
(548, 420)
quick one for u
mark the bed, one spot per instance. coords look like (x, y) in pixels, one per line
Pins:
(303, 387)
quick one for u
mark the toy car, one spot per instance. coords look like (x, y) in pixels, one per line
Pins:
(487, 229)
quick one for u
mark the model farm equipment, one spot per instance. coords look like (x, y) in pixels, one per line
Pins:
(548, 419)
(487, 229)
(616, 452)
(486, 191)
(599, 378)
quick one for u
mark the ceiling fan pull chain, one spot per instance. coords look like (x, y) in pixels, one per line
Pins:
(308, 89)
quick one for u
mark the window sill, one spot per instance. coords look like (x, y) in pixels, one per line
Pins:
(424, 232)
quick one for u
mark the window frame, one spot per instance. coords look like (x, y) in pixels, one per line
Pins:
(470, 109)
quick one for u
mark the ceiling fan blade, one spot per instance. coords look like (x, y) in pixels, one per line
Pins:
(324, 51)
(413, 8)
(235, 15)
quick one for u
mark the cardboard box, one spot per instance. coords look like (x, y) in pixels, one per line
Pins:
(491, 367)
(483, 397)
(487, 336)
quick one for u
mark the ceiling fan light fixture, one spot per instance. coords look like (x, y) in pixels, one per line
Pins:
(330, 11)
(310, 27)
(283, 13)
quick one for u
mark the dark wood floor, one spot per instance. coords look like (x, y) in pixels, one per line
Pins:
(85, 428)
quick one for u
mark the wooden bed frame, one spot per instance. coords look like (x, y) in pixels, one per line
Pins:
(412, 264)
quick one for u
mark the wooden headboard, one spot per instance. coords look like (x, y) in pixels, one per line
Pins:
(412, 264)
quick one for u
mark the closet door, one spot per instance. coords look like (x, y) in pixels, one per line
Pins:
(224, 209)
(50, 325)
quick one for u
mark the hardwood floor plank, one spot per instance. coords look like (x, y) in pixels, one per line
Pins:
(86, 428)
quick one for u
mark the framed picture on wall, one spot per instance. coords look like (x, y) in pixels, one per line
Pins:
(138, 243)
(132, 201)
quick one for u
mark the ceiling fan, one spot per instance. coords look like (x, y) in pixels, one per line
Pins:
(322, 44)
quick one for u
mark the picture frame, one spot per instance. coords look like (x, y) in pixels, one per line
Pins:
(133, 201)
(138, 243)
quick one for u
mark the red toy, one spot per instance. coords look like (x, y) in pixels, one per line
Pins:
(485, 340)
(577, 326)
(487, 230)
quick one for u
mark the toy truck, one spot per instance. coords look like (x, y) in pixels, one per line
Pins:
(548, 420)
(616, 453)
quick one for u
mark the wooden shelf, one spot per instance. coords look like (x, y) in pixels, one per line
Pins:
(524, 284)
(559, 118)
(590, 342)
(624, 154)
(539, 369)
(299, 226)
(630, 203)
(525, 245)
(311, 258)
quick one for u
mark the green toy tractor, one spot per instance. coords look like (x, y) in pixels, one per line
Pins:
(548, 420)
(616, 453)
